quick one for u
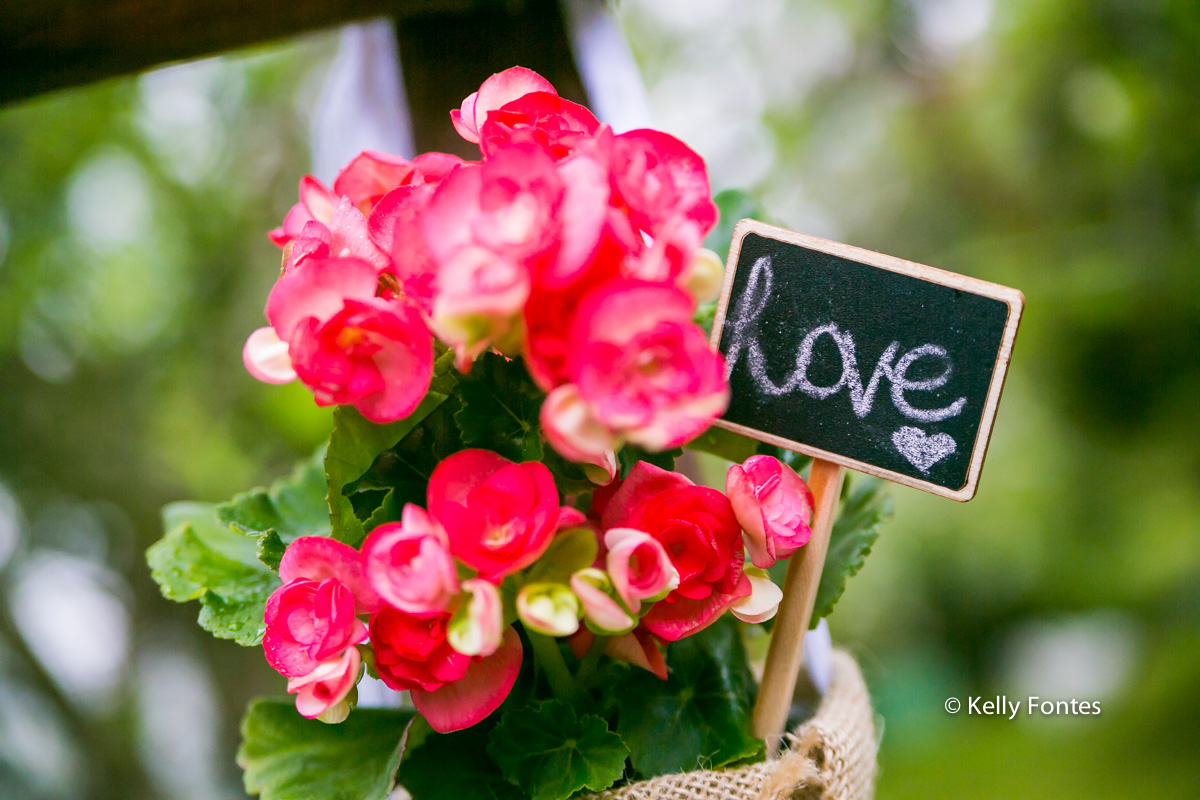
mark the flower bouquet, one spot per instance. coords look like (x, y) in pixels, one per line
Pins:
(516, 347)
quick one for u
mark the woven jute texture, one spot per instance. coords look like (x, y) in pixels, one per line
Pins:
(829, 757)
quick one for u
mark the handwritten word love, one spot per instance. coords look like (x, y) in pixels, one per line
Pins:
(744, 332)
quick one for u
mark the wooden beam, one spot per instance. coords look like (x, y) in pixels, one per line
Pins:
(52, 44)
(445, 57)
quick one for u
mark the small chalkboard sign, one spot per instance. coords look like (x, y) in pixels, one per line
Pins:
(864, 360)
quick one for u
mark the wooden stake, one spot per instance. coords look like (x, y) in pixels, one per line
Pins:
(795, 610)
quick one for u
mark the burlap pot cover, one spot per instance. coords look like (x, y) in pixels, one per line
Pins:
(831, 756)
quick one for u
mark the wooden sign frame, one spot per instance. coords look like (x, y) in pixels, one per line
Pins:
(1014, 299)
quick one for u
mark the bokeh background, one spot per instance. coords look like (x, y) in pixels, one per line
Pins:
(1051, 145)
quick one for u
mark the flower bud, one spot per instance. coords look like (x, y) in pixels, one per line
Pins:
(478, 626)
(595, 591)
(575, 433)
(639, 566)
(704, 276)
(549, 608)
(762, 602)
(773, 505)
(320, 692)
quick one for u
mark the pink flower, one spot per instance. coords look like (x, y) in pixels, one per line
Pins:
(345, 343)
(498, 90)
(773, 505)
(369, 176)
(572, 430)
(412, 652)
(313, 616)
(478, 693)
(326, 686)
(642, 367)
(409, 565)
(478, 626)
(316, 203)
(346, 235)
(499, 516)
(697, 528)
(664, 186)
(639, 566)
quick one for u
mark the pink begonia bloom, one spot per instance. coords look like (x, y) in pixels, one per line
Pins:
(699, 532)
(346, 235)
(408, 564)
(639, 567)
(499, 516)
(498, 90)
(316, 203)
(266, 357)
(478, 626)
(369, 176)
(412, 652)
(327, 685)
(490, 228)
(762, 602)
(643, 367)
(773, 505)
(312, 617)
(551, 609)
(347, 345)
(478, 693)
(543, 117)
(595, 592)
(573, 431)
(664, 186)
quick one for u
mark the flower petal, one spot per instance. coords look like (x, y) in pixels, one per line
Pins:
(465, 702)
(319, 557)
(266, 357)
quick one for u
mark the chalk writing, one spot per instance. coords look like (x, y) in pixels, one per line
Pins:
(744, 332)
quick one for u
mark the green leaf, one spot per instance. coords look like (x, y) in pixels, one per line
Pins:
(270, 549)
(569, 477)
(292, 507)
(199, 558)
(499, 408)
(551, 754)
(288, 757)
(862, 511)
(700, 715)
(452, 766)
(355, 444)
(569, 552)
(734, 205)
(630, 454)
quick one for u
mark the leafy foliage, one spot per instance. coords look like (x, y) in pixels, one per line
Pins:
(864, 507)
(862, 511)
(199, 558)
(292, 507)
(451, 766)
(355, 444)
(499, 407)
(569, 552)
(288, 757)
(699, 716)
(630, 454)
(551, 754)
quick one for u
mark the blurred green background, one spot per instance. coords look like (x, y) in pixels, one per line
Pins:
(1051, 145)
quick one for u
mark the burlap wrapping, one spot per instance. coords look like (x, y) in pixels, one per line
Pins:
(830, 757)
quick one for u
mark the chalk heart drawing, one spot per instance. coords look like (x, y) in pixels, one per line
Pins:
(923, 451)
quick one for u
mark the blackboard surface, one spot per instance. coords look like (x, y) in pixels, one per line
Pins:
(883, 365)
